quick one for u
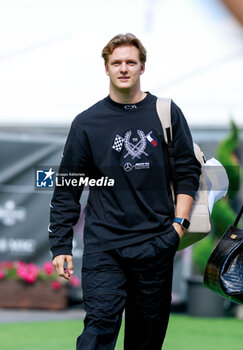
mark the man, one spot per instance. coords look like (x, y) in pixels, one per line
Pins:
(129, 236)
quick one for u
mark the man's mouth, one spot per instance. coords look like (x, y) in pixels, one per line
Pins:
(123, 78)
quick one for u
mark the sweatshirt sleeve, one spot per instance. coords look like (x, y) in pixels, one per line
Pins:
(188, 168)
(65, 203)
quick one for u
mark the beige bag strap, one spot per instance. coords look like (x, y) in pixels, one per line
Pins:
(163, 107)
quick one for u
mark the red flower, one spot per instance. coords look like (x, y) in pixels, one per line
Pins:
(30, 273)
(21, 270)
(27, 272)
(9, 265)
(1, 274)
(20, 264)
(49, 268)
(74, 280)
(56, 285)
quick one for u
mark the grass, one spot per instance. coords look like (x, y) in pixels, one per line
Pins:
(184, 333)
(204, 334)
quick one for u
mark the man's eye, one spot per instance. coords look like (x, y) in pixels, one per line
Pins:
(115, 63)
(131, 62)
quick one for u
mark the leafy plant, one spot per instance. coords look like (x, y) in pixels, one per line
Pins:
(200, 254)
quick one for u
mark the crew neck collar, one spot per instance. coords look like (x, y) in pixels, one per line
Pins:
(128, 106)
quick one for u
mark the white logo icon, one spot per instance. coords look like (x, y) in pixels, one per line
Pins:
(130, 107)
(135, 150)
(127, 167)
(44, 178)
(49, 174)
(9, 214)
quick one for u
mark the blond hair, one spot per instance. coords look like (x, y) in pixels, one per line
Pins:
(124, 39)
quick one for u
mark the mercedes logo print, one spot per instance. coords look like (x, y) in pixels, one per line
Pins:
(127, 167)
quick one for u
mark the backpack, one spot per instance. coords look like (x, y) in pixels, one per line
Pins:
(200, 217)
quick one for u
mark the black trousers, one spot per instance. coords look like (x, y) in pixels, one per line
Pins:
(138, 279)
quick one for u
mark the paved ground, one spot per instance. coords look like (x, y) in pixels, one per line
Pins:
(10, 316)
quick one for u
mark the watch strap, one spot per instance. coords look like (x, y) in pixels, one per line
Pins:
(183, 222)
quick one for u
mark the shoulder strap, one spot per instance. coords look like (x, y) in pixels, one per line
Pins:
(163, 106)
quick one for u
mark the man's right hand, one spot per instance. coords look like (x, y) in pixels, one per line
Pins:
(59, 264)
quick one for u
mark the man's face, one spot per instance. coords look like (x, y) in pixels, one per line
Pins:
(124, 68)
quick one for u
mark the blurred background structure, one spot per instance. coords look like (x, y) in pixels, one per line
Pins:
(51, 69)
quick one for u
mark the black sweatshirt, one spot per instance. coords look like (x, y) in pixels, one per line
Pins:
(121, 145)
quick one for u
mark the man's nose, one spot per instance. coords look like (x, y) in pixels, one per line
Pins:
(123, 67)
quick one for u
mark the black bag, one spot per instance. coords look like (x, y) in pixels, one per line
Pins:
(224, 269)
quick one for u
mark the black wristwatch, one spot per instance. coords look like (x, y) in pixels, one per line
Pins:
(183, 222)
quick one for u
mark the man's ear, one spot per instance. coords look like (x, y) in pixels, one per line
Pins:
(107, 69)
(142, 70)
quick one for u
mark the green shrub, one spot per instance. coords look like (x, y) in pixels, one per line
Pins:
(201, 253)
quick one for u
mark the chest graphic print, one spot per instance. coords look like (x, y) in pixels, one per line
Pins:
(135, 146)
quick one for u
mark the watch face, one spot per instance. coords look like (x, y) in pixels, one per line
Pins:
(185, 224)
